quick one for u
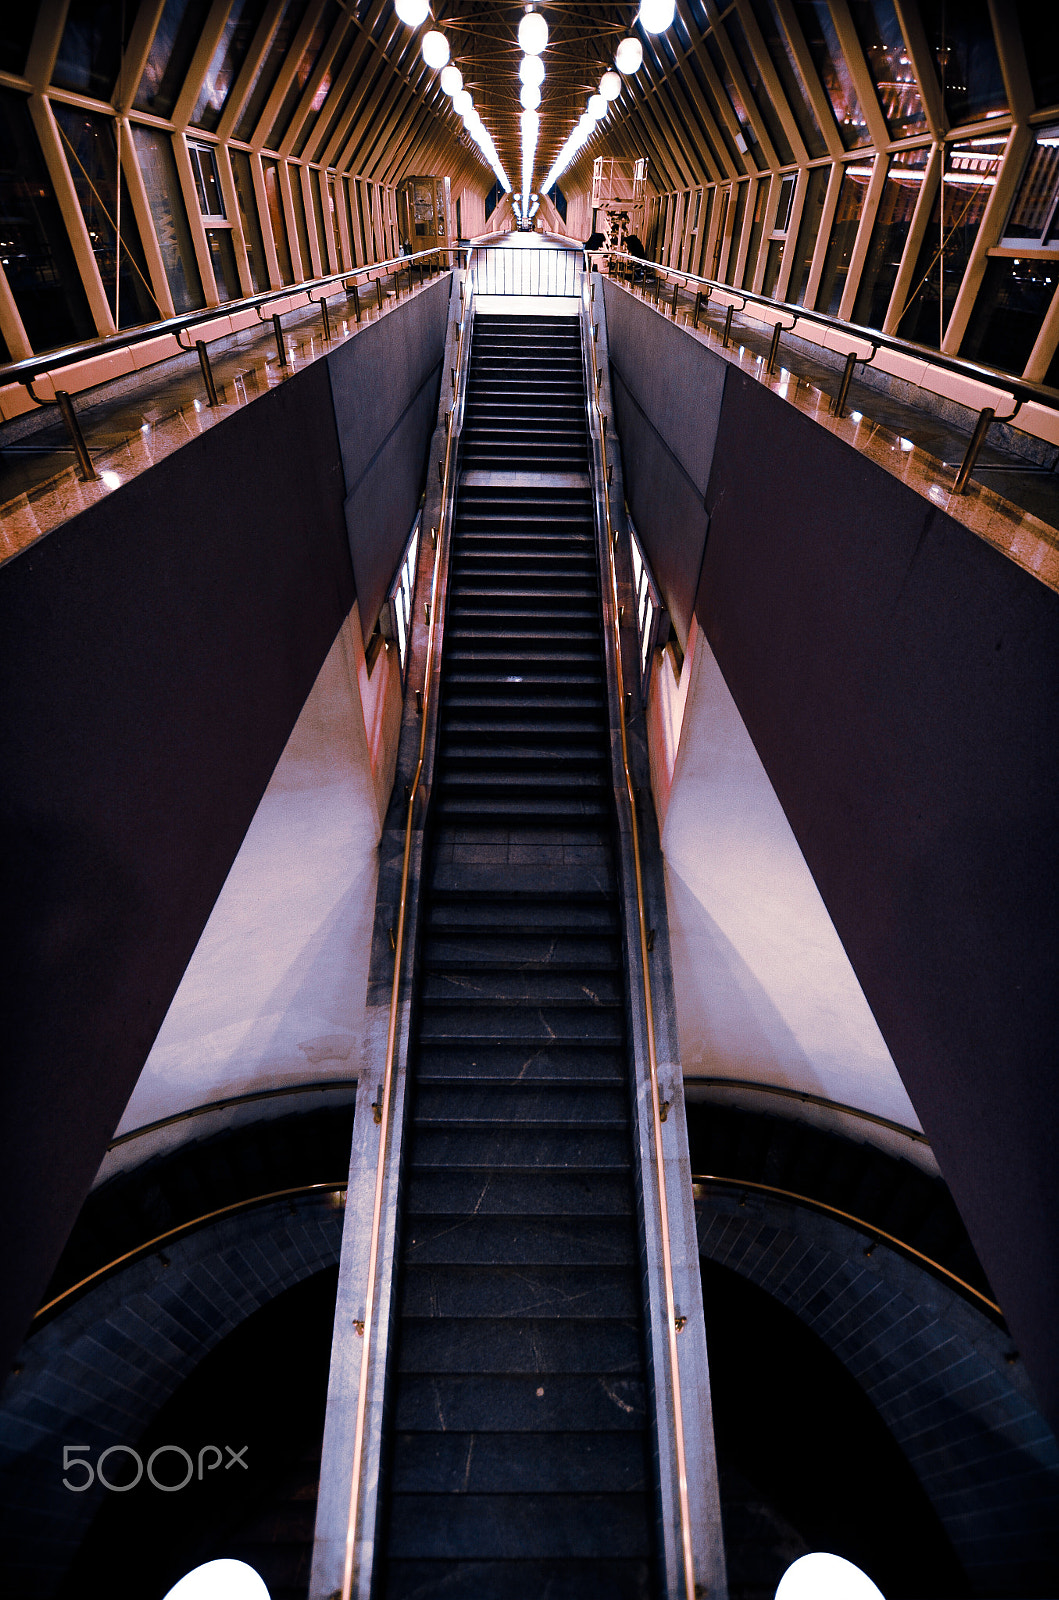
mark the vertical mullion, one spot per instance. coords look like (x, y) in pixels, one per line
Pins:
(47, 130)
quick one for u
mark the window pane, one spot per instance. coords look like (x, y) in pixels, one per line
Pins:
(299, 219)
(318, 214)
(39, 263)
(735, 101)
(970, 174)
(833, 69)
(222, 253)
(1008, 312)
(851, 194)
(16, 30)
(961, 41)
(91, 153)
(762, 98)
(1040, 33)
(808, 229)
(1033, 216)
(207, 180)
(772, 266)
(255, 245)
(171, 52)
(268, 70)
(779, 48)
(901, 191)
(158, 165)
(277, 219)
(742, 190)
(718, 243)
(757, 227)
(310, 56)
(321, 106)
(884, 50)
(90, 52)
(226, 61)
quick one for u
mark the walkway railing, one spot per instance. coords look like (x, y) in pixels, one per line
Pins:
(550, 270)
(860, 345)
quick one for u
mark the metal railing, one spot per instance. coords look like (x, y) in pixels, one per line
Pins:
(384, 1103)
(550, 270)
(650, 607)
(674, 1323)
(704, 1180)
(651, 274)
(29, 370)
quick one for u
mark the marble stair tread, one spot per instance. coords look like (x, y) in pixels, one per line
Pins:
(520, 1526)
(530, 1149)
(467, 1239)
(565, 1579)
(498, 1192)
(535, 1346)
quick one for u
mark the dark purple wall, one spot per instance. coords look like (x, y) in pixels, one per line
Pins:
(900, 681)
(156, 652)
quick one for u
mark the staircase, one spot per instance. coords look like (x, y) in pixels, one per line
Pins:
(517, 1457)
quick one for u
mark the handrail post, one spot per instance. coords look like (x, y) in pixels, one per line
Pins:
(280, 347)
(727, 334)
(839, 404)
(981, 428)
(207, 373)
(327, 318)
(676, 291)
(698, 308)
(77, 438)
(378, 291)
(773, 348)
(356, 301)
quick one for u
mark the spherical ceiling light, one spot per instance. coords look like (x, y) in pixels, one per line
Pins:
(629, 56)
(412, 12)
(224, 1579)
(435, 48)
(610, 86)
(462, 102)
(597, 107)
(531, 70)
(533, 33)
(530, 96)
(530, 121)
(820, 1576)
(451, 80)
(655, 16)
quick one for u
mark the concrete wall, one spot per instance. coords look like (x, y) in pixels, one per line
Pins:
(156, 653)
(898, 679)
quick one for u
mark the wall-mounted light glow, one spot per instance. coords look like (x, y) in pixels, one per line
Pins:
(413, 13)
(533, 33)
(610, 86)
(530, 96)
(435, 48)
(531, 70)
(825, 1577)
(462, 102)
(220, 1580)
(629, 56)
(655, 16)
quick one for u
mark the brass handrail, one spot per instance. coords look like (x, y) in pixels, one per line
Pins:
(698, 1181)
(320, 1086)
(656, 1099)
(386, 1091)
(186, 1227)
(804, 1096)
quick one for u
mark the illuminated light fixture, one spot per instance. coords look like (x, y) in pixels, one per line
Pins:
(451, 80)
(462, 102)
(531, 70)
(655, 16)
(825, 1577)
(597, 107)
(220, 1580)
(413, 13)
(609, 85)
(629, 56)
(533, 33)
(435, 48)
(531, 122)
(530, 96)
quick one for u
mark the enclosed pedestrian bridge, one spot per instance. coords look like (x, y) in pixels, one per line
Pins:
(531, 822)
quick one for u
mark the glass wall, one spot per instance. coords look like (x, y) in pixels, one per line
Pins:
(832, 67)
(856, 176)
(248, 216)
(970, 174)
(890, 66)
(231, 52)
(741, 192)
(960, 38)
(1009, 311)
(901, 192)
(170, 55)
(158, 165)
(812, 212)
(277, 220)
(757, 228)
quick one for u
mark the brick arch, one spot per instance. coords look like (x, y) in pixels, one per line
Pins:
(96, 1374)
(937, 1370)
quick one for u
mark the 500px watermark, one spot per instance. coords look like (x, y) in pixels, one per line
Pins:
(168, 1475)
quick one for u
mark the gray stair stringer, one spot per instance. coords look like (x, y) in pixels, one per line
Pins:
(693, 1361)
(335, 1492)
